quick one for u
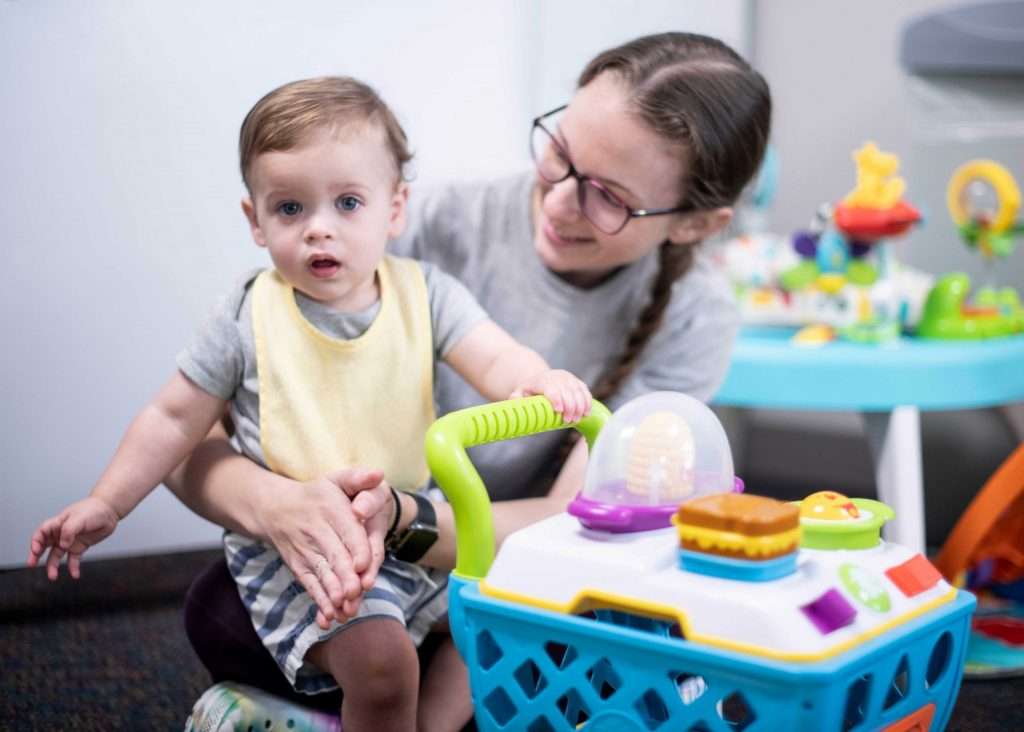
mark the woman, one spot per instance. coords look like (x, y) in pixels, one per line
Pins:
(590, 260)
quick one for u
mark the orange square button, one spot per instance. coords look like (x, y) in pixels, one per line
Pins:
(914, 576)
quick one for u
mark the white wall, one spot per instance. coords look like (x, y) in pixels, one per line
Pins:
(119, 186)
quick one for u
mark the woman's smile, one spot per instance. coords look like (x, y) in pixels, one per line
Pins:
(561, 239)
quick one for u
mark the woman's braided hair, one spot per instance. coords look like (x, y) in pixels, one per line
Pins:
(673, 262)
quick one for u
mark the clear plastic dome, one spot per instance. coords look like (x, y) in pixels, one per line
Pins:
(658, 450)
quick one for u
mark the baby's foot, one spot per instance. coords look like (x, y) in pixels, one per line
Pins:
(231, 707)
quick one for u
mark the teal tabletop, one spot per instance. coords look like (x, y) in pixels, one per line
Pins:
(769, 371)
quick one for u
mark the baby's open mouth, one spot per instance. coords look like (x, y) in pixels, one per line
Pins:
(324, 266)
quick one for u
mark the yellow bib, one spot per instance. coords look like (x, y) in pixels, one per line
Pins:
(328, 403)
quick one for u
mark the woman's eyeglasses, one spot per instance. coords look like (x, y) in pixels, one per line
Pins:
(600, 206)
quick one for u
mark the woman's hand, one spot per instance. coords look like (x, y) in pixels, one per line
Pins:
(320, 533)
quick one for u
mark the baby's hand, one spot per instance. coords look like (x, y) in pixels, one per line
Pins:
(71, 532)
(569, 396)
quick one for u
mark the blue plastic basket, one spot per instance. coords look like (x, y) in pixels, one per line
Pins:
(541, 671)
(536, 670)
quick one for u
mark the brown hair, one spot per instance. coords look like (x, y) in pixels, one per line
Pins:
(697, 93)
(282, 119)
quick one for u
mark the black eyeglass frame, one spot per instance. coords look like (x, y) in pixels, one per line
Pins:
(582, 180)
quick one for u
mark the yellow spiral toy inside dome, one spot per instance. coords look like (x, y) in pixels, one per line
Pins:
(661, 458)
(1002, 183)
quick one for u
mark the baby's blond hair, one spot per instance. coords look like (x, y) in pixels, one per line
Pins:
(285, 117)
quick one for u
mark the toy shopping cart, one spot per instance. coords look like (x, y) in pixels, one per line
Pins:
(608, 619)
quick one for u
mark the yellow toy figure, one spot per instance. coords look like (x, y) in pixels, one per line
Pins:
(875, 208)
(837, 267)
(878, 186)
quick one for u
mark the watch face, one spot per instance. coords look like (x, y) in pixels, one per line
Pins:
(414, 542)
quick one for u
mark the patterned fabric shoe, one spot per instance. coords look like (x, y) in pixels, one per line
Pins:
(230, 707)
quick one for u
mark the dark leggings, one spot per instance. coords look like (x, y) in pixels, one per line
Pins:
(220, 631)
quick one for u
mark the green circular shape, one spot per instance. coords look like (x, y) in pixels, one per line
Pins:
(865, 588)
(818, 534)
(876, 331)
(1002, 244)
(986, 297)
(861, 273)
(799, 276)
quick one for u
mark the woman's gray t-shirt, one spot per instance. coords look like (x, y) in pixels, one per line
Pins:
(482, 234)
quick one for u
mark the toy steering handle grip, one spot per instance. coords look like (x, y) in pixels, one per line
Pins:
(446, 443)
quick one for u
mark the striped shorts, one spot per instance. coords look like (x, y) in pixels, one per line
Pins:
(284, 615)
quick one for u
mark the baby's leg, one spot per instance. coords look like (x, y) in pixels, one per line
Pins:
(374, 662)
(445, 702)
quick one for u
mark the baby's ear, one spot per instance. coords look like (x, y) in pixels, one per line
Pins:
(697, 226)
(254, 225)
(399, 203)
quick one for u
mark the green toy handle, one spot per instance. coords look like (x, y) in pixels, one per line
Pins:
(446, 443)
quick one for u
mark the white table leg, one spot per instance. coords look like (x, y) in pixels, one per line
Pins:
(1013, 414)
(895, 439)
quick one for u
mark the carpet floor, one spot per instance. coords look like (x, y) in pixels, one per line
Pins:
(109, 652)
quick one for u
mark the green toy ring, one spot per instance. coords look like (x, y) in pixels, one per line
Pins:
(830, 535)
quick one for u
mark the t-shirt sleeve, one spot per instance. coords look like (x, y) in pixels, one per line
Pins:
(447, 224)
(691, 351)
(453, 309)
(214, 358)
(422, 222)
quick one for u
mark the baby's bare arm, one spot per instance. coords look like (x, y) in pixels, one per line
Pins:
(166, 430)
(498, 366)
(158, 439)
(492, 361)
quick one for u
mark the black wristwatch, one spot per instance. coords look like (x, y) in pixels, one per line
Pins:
(410, 545)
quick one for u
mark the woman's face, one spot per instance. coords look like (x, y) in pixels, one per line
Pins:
(607, 142)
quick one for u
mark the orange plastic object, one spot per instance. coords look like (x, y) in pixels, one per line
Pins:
(992, 527)
(870, 224)
(914, 576)
(918, 721)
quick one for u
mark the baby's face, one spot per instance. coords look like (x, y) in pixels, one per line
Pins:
(326, 210)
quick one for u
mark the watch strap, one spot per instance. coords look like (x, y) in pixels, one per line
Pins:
(411, 544)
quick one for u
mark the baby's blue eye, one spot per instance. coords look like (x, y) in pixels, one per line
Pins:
(348, 203)
(290, 208)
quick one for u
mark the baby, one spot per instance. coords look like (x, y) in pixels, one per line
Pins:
(325, 361)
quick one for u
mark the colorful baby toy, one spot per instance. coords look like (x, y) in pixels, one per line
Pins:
(666, 598)
(840, 276)
(983, 200)
(847, 254)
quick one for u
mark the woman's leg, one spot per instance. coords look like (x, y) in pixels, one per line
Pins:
(445, 702)
(375, 661)
(221, 633)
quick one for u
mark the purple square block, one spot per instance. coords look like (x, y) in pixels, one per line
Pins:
(829, 612)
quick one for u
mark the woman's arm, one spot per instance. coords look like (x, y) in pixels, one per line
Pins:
(309, 523)
(509, 516)
(214, 483)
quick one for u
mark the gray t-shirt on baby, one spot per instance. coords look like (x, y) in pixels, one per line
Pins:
(221, 359)
(482, 234)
